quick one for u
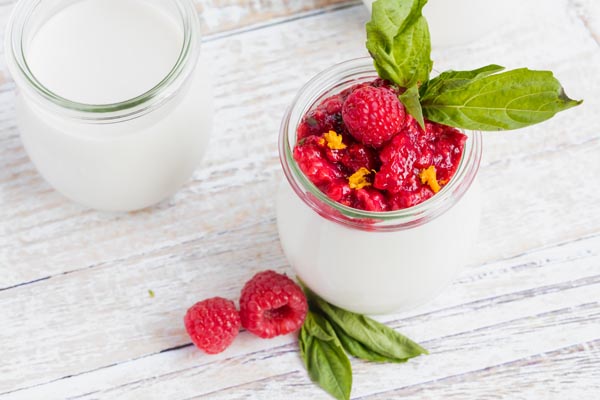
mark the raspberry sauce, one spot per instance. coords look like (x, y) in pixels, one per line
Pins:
(340, 149)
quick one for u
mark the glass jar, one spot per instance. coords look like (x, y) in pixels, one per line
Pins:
(372, 262)
(456, 22)
(123, 155)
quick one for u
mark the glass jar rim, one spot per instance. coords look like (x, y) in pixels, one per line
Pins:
(322, 85)
(110, 112)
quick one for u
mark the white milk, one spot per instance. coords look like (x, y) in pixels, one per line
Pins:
(100, 52)
(105, 51)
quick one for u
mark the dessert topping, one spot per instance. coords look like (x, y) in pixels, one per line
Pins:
(334, 141)
(359, 180)
(373, 115)
(428, 176)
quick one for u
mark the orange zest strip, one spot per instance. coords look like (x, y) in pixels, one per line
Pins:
(428, 176)
(334, 141)
(358, 180)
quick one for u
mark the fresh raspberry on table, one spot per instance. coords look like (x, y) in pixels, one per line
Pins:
(373, 115)
(212, 324)
(271, 304)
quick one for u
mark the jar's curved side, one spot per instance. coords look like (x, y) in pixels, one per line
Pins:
(128, 162)
(333, 80)
(147, 160)
(376, 272)
(152, 99)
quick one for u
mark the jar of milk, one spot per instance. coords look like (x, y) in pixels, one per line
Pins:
(364, 261)
(113, 107)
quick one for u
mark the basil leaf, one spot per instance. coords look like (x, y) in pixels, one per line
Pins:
(398, 40)
(411, 102)
(317, 326)
(325, 360)
(485, 101)
(359, 350)
(374, 335)
(451, 79)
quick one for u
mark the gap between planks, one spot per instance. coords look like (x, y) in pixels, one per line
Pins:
(449, 312)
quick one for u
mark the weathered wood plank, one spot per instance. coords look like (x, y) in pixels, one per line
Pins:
(539, 294)
(40, 233)
(279, 370)
(93, 313)
(218, 16)
(568, 373)
(565, 373)
(589, 13)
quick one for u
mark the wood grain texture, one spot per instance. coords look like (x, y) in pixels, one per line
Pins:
(501, 314)
(76, 318)
(589, 13)
(224, 16)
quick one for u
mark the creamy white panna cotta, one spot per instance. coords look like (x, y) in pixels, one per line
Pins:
(368, 261)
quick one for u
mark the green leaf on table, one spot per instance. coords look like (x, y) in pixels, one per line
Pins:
(359, 350)
(411, 102)
(324, 357)
(489, 101)
(398, 40)
(373, 335)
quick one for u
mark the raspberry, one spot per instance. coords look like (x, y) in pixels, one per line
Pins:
(405, 199)
(325, 117)
(212, 324)
(448, 149)
(348, 91)
(311, 159)
(340, 191)
(378, 136)
(357, 156)
(379, 82)
(371, 200)
(373, 115)
(271, 304)
(397, 169)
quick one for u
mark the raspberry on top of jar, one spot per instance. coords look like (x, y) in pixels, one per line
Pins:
(363, 150)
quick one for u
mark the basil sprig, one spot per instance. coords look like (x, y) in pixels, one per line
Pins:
(324, 357)
(483, 99)
(374, 336)
(494, 102)
(329, 332)
(398, 40)
(412, 103)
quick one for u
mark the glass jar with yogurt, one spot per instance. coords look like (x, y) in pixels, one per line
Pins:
(113, 107)
(372, 262)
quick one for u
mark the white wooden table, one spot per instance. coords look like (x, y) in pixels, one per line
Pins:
(522, 321)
